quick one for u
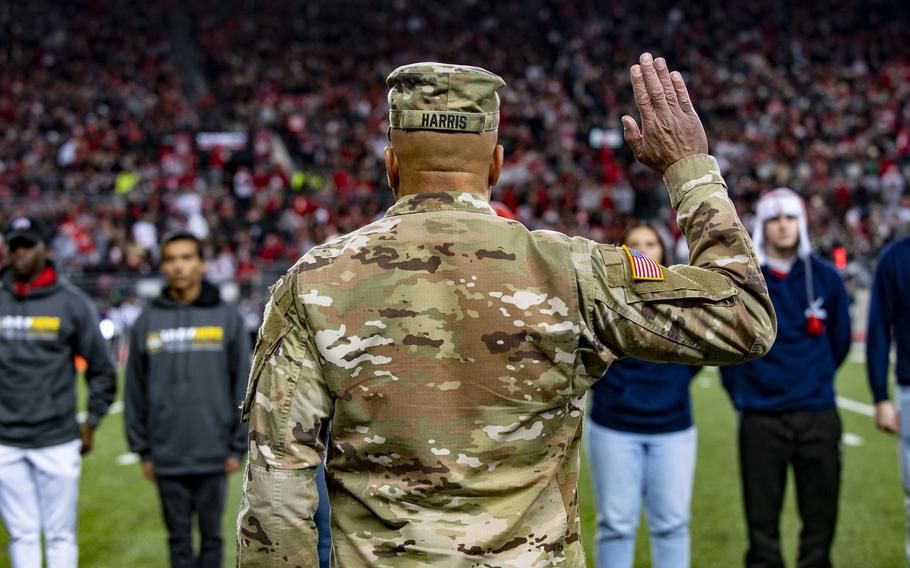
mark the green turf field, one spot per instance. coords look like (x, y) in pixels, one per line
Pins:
(120, 525)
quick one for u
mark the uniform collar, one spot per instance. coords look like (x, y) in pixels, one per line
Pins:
(440, 201)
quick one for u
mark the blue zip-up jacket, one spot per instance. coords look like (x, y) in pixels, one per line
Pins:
(644, 397)
(798, 372)
(889, 315)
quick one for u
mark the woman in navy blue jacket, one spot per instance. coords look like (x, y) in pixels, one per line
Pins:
(641, 445)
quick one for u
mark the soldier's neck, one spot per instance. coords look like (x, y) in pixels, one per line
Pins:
(432, 182)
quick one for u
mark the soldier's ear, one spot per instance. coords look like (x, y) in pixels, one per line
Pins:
(496, 165)
(391, 169)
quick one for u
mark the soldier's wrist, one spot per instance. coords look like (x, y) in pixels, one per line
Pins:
(690, 172)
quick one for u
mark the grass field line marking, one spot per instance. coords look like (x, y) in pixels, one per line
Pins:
(851, 439)
(115, 408)
(127, 459)
(855, 406)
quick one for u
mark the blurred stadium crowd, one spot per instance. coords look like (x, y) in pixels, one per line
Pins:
(260, 127)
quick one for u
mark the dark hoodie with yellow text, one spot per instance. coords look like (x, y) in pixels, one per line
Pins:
(43, 326)
(185, 379)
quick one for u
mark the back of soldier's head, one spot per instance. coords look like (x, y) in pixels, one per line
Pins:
(443, 117)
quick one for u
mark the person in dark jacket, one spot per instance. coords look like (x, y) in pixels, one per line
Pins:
(786, 400)
(889, 320)
(642, 444)
(45, 322)
(186, 375)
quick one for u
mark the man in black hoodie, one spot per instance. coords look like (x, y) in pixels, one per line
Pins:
(44, 323)
(186, 375)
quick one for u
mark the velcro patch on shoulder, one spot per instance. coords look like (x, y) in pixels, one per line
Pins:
(643, 268)
(281, 294)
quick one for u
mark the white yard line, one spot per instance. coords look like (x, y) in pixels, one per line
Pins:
(851, 439)
(115, 408)
(127, 459)
(855, 406)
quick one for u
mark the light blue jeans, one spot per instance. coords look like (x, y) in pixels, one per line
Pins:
(626, 467)
(903, 452)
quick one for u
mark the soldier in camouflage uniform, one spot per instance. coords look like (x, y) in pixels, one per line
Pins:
(448, 351)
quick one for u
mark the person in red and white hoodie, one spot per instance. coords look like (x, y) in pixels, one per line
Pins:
(786, 401)
(44, 323)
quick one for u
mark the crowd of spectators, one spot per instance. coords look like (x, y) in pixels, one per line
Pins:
(101, 137)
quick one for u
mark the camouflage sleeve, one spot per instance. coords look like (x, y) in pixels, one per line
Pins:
(715, 310)
(287, 405)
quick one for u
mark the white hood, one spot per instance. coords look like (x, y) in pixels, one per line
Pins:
(781, 201)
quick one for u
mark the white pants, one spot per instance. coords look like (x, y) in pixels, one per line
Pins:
(39, 490)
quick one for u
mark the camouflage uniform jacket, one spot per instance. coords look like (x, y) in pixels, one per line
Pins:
(448, 352)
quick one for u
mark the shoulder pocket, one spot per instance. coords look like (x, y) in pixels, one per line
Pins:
(681, 282)
(275, 325)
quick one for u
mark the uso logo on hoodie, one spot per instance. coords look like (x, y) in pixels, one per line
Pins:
(185, 339)
(30, 328)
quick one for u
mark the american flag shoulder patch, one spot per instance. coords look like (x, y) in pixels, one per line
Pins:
(643, 268)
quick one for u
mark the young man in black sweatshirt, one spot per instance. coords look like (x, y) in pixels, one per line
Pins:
(786, 399)
(44, 322)
(186, 375)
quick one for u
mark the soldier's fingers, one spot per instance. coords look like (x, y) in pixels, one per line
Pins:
(642, 99)
(660, 65)
(682, 93)
(652, 83)
(631, 133)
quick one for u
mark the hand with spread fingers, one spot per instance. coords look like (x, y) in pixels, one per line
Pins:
(670, 129)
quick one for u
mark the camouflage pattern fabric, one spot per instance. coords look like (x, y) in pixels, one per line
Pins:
(440, 96)
(449, 352)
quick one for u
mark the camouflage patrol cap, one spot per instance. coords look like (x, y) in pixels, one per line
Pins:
(441, 96)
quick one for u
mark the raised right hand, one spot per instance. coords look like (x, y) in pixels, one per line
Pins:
(670, 129)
